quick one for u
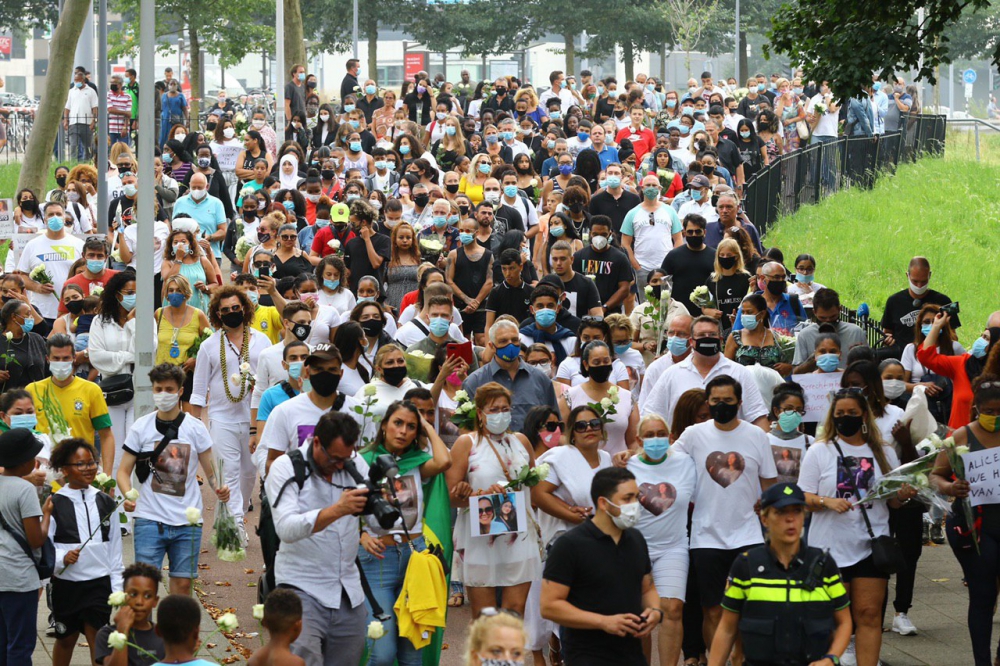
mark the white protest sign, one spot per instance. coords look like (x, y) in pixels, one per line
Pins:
(982, 471)
(817, 387)
(6, 218)
(226, 155)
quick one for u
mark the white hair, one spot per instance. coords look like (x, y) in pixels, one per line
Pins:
(495, 328)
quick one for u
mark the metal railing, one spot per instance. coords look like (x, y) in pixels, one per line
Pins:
(819, 170)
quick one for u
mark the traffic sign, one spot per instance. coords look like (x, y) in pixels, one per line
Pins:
(968, 91)
(969, 76)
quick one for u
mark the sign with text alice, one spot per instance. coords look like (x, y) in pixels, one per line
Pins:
(982, 471)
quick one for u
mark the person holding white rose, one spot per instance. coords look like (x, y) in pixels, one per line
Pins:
(133, 620)
(164, 449)
(390, 383)
(618, 414)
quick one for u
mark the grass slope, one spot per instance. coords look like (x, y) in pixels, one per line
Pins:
(944, 209)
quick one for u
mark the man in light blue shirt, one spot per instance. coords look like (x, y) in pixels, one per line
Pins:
(605, 153)
(880, 107)
(206, 210)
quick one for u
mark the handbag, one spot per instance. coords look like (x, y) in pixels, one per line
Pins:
(117, 389)
(45, 565)
(886, 553)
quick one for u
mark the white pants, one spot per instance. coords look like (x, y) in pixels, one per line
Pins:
(232, 445)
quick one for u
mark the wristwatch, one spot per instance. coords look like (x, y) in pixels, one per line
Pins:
(834, 658)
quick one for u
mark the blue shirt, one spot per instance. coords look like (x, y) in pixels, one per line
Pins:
(608, 156)
(547, 166)
(272, 397)
(784, 317)
(209, 214)
(529, 387)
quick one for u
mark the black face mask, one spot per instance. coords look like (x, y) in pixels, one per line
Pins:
(723, 412)
(324, 383)
(311, 84)
(301, 331)
(576, 207)
(61, 181)
(657, 290)
(114, 87)
(727, 262)
(848, 426)
(373, 328)
(250, 216)
(122, 168)
(708, 170)
(263, 238)
(394, 376)
(75, 307)
(28, 205)
(327, 174)
(421, 200)
(232, 319)
(599, 373)
(452, 187)
(523, 170)
(211, 127)
(777, 288)
(708, 346)
(695, 242)
(464, 210)
(7, 299)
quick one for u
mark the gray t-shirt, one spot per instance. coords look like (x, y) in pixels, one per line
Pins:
(850, 336)
(18, 500)
(147, 640)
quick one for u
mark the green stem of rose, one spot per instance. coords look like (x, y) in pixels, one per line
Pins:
(144, 653)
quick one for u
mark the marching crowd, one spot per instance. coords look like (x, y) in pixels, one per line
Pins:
(527, 337)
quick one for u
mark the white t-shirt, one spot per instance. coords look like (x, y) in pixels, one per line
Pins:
(788, 455)
(703, 208)
(570, 369)
(651, 241)
(911, 363)
(822, 474)
(666, 489)
(351, 381)
(409, 334)
(730, 466)
(160, 233)
(326, 319)
(292, 423)
(410, 311)
(58, 256)
(635, 366)
(342, 301)
(568, 345)
(827, 126)
(173, 486)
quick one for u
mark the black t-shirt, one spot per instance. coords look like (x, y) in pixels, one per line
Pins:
(297, 95)
(356, 257)
(582, 294)
(902, 310)
(728, 293)
(505, 299)
(147, 640)
(748, 108)
(729, 155)
(688, 269)
(604, 203)
(605, 578)
(415, 103)
(609, 268)
(750, 154)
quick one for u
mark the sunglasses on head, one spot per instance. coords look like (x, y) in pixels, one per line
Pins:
(584, 426)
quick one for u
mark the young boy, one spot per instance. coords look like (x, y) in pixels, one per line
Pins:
(81, 329)
(134, 619)
(283, 621)
(179, 625)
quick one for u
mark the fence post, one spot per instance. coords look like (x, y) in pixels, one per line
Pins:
(818, 187)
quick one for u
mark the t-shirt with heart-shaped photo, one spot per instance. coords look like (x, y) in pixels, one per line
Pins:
(665, 492)
(730, 465)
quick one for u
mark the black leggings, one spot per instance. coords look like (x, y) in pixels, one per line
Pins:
(907, 525)
(693, 644)
(981, 573)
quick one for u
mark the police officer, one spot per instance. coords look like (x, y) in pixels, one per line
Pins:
(786, 599)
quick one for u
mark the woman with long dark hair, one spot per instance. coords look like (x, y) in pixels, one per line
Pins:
(350, 340)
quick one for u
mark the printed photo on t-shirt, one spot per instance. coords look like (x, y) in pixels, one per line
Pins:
(725, 468)
(405, 489)
(170, 473)
(787, 460)
(859, 470)
(304, 433)
(657, 497)
(447, 430)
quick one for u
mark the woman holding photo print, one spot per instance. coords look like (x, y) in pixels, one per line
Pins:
(481, 462)
(385, 554)
(788, 442)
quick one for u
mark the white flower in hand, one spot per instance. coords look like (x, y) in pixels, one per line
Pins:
(9, 336)
(542, 470)
(961, 450)
(533, 183)
(117, 640)
(193, 515)
(370, 390)
(334, 244)
(228, 623)
(461, 395)
(375, 630)
(258, 612)
(117, 599)
(102, 479)
(132, 495)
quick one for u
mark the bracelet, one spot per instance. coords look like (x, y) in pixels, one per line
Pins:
(658, 610)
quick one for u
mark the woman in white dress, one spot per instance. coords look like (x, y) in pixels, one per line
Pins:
(595, 366)
(481, 462)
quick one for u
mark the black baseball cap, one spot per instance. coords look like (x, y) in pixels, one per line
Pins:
(781, 495)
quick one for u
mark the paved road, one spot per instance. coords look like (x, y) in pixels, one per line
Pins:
(939, 610)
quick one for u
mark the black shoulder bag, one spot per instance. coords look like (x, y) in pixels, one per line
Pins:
(145, 463)
(886, 553)
(44, 565)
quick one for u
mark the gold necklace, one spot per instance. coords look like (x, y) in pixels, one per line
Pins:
(244, 356)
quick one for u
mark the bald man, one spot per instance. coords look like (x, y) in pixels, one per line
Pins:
(206, 210)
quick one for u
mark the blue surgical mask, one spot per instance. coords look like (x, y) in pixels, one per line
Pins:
(320, 223)
(492, 138)
(253, 296)
(302, 76)
(789, 421)
(696, 195)
(671, 103)
(745, 135)
(370, 90)
(583, 137)
(875, 86)
(760, 87)
(828, 362)
(509, 352)
(95, 265)
(453, 219)
(545, 317)
(557, 231)
(565, 169)
(56, 223)
(356, 146)
(602, 183)
(484, 167)
(28, 324)
(676, 345)
(450, 130)
(555, 115)
(439, 326)
(333, 285)
(622, 349)
(466, 239)
(507, 136)
(804, 279)
(656, 448)
(440, 221)
(355, 124)
(175, 299)
(925, 329)
(614, 181)
(550, 145)
(404, 149)
(380, 165)
(510, 191)
(348, 108)
(295, 369)
(979, 347)
(289, 205)
(749, 321)
(128, 301)
(28, 421)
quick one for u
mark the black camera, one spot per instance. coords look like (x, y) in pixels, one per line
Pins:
(383, 469)
(951, 309)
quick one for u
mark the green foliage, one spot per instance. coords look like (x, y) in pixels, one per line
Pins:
(478, 28)
(974, 35)
(26, 14)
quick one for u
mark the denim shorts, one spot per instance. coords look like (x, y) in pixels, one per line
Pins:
(180, 543)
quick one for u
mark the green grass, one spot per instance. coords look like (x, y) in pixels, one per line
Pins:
(944, 209)
(8, 180)
(960, 145)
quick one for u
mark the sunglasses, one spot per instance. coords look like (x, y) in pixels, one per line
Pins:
(486, 510)
(551, 426)
(223, 311)
(584, 426)
(288, 238)
(589, 319)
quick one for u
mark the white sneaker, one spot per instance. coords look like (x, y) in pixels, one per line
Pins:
(849, 658)
(901, 625)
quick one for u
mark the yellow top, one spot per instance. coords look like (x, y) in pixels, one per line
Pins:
(471, 190)
(267, 320)
(166, 340)
(81, 402)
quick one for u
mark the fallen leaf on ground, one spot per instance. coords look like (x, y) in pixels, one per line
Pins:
(211, 645)
(223, 583)
(251, 584)
(940, 580)
(248, 571)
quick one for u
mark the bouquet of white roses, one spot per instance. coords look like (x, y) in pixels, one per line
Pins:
(40, 274)
(607, 407)
(226, 537)
(819, 109)
(529, 477)
(243, 246)
(914, 474)
(465, 413)
(701, 297)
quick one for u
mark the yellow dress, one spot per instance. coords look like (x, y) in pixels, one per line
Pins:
(172, 344)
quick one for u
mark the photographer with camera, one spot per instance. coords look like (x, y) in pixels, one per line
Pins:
(315, 504)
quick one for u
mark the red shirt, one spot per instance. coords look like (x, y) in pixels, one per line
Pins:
(643, 141)
(408, 300)
(86, 284)
(323, 237)
(952, 367)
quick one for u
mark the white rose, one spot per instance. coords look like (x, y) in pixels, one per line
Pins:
(542, 471)
(228, 623)
(533, 183)
(117, 599)
(117, 640)
(606, 404)
(334, 244)
(370, 390)
(193, 515)
(961, 450)
(461, 395)
(649, 289)
(102, 479)
(375, 630)
(258, 612)
(235, 378)
(132, 495)
(9, 336)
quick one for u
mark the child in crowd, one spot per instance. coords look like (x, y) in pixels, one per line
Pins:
(283, 621)
(179, 627)
(80, 328)
(135, 620)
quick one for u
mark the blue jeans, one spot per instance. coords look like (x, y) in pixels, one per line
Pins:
(18, 634)
(180, 543)
(385, 577)
(114, 137)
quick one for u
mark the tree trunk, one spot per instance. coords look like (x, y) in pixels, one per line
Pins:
(628, 54)
(744, 65)
(371, 32)
(48, 117)
(570, 52)
(194, 104)
(295, 45)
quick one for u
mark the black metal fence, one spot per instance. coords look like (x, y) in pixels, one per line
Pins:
(815, 172)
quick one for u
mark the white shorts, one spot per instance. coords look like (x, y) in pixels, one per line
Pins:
(670, 572)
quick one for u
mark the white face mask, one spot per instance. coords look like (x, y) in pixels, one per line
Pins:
(893, 388)
(629, 516)
(229, 132)
(498, 423)
(165, 402)
(198, 194)
(919, 291)
(258, 123)
(180, 136)
(61, 369)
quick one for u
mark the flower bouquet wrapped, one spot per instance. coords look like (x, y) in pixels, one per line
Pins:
(431, 248)
(226, 536)
(196, 345)
(418, 365)
(465, 413)
(40, 274)
(786, 343)
(701, 297)
(963, 504)
(914, 474)
(243, 246)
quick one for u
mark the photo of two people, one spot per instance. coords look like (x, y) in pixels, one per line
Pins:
(499, 513)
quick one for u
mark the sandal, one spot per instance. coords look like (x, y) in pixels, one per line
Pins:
(456, 599)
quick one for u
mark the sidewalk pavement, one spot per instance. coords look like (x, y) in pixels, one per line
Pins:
(939, 612)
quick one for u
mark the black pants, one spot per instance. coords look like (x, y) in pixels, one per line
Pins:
(693, 644)
(907, 524)
(981, 571)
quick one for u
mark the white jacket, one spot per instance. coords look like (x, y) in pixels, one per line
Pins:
(75, 515)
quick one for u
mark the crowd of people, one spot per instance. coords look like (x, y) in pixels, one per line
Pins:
(544, 304)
